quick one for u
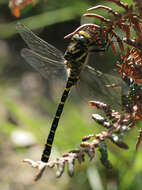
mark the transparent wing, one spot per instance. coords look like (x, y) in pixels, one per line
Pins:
(44, 65)
(38, 45)
(94, 85)
(45, 58)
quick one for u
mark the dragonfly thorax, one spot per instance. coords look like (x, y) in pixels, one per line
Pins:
(77, 51)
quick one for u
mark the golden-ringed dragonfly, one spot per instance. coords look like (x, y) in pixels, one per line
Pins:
(46, 59)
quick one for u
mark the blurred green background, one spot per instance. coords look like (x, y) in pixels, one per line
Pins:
(28, 104)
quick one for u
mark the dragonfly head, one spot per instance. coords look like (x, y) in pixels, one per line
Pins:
(97, 40)
(82, 37)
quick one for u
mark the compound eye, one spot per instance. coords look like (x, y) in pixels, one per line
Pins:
(84, 39)
(81, 38)
(76, 37)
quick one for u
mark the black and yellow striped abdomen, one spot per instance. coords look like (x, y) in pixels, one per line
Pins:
(50, 139)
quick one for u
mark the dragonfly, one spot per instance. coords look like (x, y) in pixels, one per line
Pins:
(48, 60)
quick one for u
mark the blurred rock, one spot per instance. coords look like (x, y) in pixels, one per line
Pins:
(21, 138)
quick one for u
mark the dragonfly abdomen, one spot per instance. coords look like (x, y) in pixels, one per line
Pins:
(50, 139)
